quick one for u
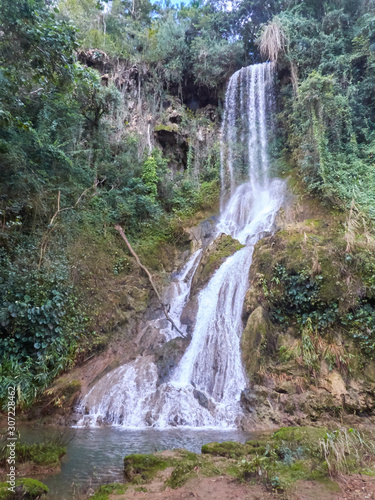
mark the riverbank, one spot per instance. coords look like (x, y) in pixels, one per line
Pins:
(296, 463)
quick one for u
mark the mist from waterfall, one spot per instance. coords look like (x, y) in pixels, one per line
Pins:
(205, 388)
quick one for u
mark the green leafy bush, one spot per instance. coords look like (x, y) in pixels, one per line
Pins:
(40, 323)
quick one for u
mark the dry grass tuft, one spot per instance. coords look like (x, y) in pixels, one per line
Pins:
(272, 41)
(357, 232)
(346, 451)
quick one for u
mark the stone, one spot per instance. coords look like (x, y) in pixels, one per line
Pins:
(248, 400)
(251, 300)
(202, 398)
(253, 337)
(215, 254)
(168, 356)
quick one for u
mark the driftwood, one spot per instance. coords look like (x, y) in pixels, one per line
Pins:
(165, 309)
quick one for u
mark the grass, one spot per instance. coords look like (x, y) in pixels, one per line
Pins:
(31, 489)
(44, 454)
(346, 451)
(277, 461)
(139, 468)
(108, 489)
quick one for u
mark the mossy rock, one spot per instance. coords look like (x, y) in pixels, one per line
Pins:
(188, 465)
(25, 488)
(304, 435)
(229, 449)
(173, 127)
(257, 446)
(254, 339)
(46, 454)
(142, 468)
(223, 247)
(108, 489)
(184, 469)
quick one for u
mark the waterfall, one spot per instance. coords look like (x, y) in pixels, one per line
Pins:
(205, 388)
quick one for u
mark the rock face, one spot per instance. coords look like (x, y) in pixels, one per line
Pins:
(168, 356)
(215, 254)
(202, 234)
(254, 338)
(301, 276)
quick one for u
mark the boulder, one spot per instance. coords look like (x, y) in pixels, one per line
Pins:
(253, 339)
(168, 356)
(215, 254)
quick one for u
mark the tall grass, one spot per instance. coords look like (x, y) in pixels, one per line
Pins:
(346, 451)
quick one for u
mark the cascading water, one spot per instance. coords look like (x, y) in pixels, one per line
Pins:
(205, 388)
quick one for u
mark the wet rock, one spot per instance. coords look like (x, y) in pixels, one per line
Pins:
(202, 234)
(215, 254)
(202, 398)
(248, 400)
(168, 356)
(177, 420)
(189, 314)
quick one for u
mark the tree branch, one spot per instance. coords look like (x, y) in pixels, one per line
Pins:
(51, 225)
(122, 234)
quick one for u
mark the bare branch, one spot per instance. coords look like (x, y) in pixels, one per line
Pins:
(164, 306)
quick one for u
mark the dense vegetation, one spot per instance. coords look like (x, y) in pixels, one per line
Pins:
(82, 85)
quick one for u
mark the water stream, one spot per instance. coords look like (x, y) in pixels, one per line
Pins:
(96, 456)
(205, 388)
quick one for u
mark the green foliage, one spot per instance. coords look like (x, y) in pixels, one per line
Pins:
(297, 297)
(39, 325)
(48, 453)
(150, 177)
(214, 60)
(292, 454)
(325, 120)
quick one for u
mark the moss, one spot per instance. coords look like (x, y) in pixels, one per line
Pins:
(315, 223)
(222, 248)
(32, 488)
(4, 492)
(229, 449)
(40, 453)
(72, 387)
(257, 447)
(305, 435)
(254, 340)
(104, 491)
(142, 468)
(187, 465)
(167, 128)
(26, 488)
(182, 472)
